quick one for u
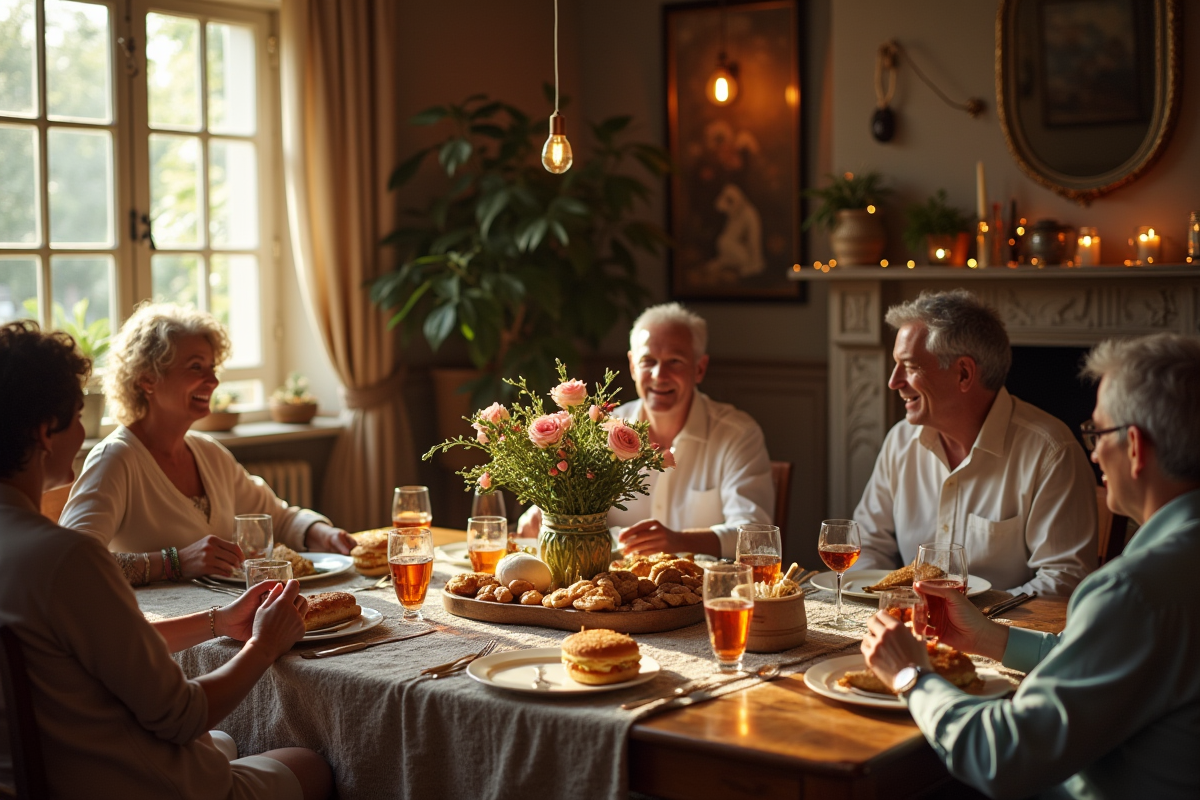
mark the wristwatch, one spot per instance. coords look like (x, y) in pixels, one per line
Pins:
(907, 678)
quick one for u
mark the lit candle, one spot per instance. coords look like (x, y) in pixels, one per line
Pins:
(1148, 245)
(980, 192)
(1087, 254)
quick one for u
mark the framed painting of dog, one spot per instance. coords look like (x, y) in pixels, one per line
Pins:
(733, 205)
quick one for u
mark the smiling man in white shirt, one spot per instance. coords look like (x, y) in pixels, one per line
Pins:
(723, 473)
(972, 464)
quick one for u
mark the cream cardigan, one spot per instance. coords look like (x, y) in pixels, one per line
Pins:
(125, 499)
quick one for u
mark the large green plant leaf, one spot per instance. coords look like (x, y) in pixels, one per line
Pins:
(430, 116)
(407, 169)
(453, 154)
(440, 324)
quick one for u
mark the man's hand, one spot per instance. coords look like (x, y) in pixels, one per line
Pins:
(890, 647)
(965, 628)
(651, 536)
(236, 620)
(530, 524)
(327, 539)
(209, 556)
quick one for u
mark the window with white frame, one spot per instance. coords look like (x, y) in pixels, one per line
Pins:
(138, 152)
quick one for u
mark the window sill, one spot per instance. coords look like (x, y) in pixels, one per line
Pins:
(254, 433)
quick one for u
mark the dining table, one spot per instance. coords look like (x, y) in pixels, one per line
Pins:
(388, 731)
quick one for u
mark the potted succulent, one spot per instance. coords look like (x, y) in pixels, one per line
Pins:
(220, 417)
(292, 403)
(522, 266)
(850, 210)
(942, 231)
(92, 339)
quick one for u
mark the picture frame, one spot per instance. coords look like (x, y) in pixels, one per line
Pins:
(734, 204)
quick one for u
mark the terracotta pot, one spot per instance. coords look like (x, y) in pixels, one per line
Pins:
(293, 413)
(217, 421)
(858, 237)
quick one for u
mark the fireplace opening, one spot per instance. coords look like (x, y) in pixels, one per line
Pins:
(1048, 377)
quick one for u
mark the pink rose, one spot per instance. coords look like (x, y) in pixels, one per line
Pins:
(480, 433)
(612, 423)
(546, 431)
(624, 442)
(564, 419)
(494, 413)
(485, 480)
(669, 459)
(570, 393)
(595, 413)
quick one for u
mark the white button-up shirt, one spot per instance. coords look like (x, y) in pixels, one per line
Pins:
(1023, 502)
(723, 477)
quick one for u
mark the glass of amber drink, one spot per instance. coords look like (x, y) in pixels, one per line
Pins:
(942, 566)
(906, 606)
(759, 546)
(728, 604)
(411, 508)
(410, 556)
(840, 547)
(487, 542)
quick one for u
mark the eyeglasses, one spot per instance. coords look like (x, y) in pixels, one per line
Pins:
(1089, 434)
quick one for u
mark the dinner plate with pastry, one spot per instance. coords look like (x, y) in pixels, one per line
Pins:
(849, 679)
(588, 661)
(334, 614)
(305, 566)
(865, 584)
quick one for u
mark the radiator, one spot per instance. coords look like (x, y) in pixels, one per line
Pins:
(291, 479)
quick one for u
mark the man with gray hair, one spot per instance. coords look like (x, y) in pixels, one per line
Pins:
(1109, 708)
(723, 474)
(973, 465)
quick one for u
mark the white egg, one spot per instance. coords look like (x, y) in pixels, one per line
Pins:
(524, 567)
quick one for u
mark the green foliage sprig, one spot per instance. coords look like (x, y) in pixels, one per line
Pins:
(936, 217)
(598, 475)
(850, 191)
(294, 391)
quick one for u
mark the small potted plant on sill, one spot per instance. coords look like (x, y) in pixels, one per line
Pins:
(942, 231)
(292, 403)
(92, 339)
(219, 418)
(850, 210)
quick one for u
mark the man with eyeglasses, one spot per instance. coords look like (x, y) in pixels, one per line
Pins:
(1111, 706)
(971, 464)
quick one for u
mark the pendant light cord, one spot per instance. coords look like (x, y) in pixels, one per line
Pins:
(555, 56)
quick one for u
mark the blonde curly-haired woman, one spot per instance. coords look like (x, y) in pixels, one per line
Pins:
(162, 497)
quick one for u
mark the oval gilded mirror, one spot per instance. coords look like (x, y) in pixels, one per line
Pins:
(1087, 91)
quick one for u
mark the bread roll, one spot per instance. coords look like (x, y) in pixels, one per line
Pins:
(600, 657)
(371, 554)
(330, 608)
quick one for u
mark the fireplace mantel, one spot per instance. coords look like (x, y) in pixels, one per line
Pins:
(1041, 307)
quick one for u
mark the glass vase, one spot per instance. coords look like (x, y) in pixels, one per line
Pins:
(575, 546)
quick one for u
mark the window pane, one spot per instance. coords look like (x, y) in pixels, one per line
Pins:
(19, 201)
(18, 59)
(175, 190)
(82, 296)
(176, 279)
(78, 62)
(173, 72)
(18, 289)
(80, 187)
(248, 394)
(233, 289)
(233, 194)
(231, 79)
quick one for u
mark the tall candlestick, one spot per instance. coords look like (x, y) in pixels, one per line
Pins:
(980, 192)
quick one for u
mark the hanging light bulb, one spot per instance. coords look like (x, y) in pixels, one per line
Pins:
(722, 86)
(556, 152)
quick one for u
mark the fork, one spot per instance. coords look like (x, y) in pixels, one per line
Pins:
(214, 588)
(459, 664)
(382, 583)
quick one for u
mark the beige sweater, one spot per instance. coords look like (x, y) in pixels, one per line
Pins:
(125, 499)
(117, 716)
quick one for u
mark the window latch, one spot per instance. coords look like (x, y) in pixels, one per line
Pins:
(139, 228)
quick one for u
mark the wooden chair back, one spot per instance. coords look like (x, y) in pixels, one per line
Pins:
(29, 770)
(53, 502)
(1110, 533)
(781, 476)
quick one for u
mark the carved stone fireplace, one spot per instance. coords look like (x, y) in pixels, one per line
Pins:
(1052, 307)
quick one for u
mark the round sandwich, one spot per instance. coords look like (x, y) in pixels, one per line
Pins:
(330, 608)
(600, 656)
(371, 554)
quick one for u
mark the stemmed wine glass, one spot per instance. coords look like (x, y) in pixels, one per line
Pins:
(942, 566)
(410, 556)
(758, 545)
(411, 508)
(840, 547)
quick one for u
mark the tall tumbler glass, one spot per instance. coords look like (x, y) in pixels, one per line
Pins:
(728, 605)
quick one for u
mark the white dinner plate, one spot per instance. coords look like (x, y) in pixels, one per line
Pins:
(853, 583)
(823, 679)
(369, 619)
(327, 565)
(516, 671)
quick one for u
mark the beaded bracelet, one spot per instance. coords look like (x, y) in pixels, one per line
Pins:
(212, 620)
(146, 574)
(166, 565)
(176, 569)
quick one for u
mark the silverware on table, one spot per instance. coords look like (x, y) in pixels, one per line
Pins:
(351, 648)
(1001, 607)
(765, 673)
(382, 583)
(459, 664)
(215, 587)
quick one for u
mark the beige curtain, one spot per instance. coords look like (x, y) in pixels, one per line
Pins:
(339, 137)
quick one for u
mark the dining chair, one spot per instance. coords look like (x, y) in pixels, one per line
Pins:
(53, 502)
(1111, 528)
(25, 744)
(781, 477)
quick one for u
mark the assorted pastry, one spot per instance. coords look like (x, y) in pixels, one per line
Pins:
(952, 665)
(598, 657)
(371, 554)
(301, 566)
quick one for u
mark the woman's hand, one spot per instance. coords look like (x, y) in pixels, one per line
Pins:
(890, 647)
(530, 524)
(210, 556)
(328, 539)
(965, 628)
(236, 620)
(279, 621)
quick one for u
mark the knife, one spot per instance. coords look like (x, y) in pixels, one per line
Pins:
(350, 648)
(1007, 605)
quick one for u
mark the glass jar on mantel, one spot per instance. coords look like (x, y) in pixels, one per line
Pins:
(575, 546)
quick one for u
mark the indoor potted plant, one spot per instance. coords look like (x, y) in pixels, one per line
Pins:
(940, 230)
(521, 265)
(292, 403)
(574, 463)
(220, 417)
(92, 339)
(850, 210)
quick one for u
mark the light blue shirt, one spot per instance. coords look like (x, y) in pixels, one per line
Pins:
(1111, 706)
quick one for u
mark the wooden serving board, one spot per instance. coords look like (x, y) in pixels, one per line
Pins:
(667, 619)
